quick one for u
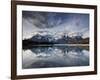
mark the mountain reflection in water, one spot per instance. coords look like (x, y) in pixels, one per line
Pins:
(55, 56)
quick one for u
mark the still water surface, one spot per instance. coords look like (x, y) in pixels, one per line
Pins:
(55, 56)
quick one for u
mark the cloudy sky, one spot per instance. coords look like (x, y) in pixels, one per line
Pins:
(33, 21)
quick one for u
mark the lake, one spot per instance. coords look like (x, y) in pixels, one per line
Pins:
(49, 56)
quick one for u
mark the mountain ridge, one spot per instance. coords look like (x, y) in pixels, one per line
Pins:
(49, 39)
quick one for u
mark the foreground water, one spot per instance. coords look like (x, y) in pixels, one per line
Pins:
(55, 56)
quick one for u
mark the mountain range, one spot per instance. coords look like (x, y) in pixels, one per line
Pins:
(60, 38)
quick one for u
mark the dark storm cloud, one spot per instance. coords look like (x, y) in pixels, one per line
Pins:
(35, 18)
(45, 19)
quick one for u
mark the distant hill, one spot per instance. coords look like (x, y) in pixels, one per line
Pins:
(84, 41)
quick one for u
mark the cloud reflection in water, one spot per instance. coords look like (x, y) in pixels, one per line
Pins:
(55, 56)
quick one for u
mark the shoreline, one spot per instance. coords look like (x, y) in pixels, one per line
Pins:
(62, 45)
